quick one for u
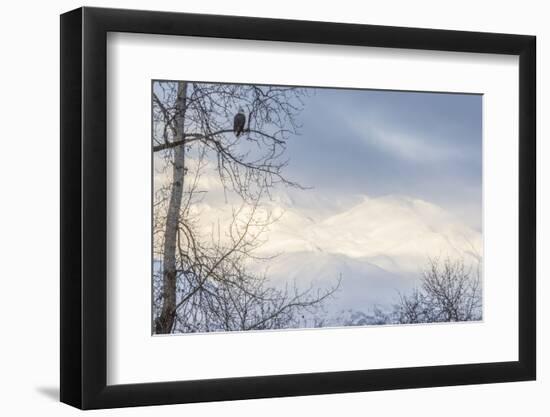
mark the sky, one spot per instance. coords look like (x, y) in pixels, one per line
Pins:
(392, 179)
(423, 145)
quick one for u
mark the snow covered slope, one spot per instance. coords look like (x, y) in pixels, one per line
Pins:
(378, 246)
(393, 232)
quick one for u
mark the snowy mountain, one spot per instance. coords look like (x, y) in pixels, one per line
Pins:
(378, 246)
(395, 233)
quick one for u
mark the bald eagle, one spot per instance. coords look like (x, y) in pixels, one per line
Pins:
(239, 122)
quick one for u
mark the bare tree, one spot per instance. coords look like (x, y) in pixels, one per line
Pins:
(203, 283)
(449, 291)
(166, 318)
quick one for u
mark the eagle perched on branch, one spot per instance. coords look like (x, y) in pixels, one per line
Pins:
(239, 122)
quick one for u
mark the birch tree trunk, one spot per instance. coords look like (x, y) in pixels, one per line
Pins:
(165, 322)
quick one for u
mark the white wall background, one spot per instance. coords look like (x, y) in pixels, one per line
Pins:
(29, 225)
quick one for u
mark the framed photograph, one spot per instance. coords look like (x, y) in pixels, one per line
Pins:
(257, 208)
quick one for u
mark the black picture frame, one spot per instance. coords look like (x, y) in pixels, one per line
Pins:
(84, 207)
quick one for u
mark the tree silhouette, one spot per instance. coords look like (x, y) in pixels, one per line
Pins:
(449, 291)
(203, 284)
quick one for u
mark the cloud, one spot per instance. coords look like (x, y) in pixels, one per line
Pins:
(405, 146)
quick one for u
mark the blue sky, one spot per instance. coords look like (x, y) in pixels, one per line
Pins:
(422, 145)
